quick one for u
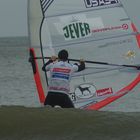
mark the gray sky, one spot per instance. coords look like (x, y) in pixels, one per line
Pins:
(13, 16)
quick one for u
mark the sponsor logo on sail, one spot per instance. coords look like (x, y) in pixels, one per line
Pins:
(121, 27)
(85, 91)
(105, 91)
(98, 3)
(76, 30)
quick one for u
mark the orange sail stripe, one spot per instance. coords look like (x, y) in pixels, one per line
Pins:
(38, 81)
(138, 35)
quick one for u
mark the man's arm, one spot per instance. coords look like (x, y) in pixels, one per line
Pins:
(44, 66)
(53, 58)
(81, 66)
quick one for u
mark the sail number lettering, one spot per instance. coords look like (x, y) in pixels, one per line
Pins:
(97, 3)
(76, 30)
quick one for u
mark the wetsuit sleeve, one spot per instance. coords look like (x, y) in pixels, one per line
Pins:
(44, 66)
(81, 66)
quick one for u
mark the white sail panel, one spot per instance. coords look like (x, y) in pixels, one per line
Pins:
(91, 25)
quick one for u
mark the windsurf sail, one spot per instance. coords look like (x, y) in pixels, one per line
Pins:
(98, 31)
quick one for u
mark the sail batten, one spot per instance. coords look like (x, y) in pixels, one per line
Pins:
(77, 12)
(92, 40)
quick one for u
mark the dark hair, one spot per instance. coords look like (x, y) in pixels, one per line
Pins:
(63, 55)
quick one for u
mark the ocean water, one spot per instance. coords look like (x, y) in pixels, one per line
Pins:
(22, 117)
(16, 78)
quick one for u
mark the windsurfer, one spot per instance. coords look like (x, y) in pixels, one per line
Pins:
(59, 81)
